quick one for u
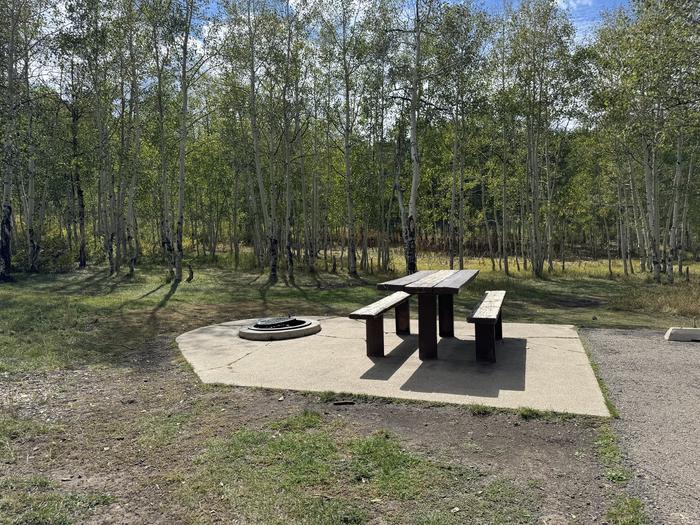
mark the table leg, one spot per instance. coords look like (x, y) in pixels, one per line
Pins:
(375, 336)
(427, 327)
(485, 342)
(403, 317)
(447, 315)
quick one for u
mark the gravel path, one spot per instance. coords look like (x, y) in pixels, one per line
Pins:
(655, 385)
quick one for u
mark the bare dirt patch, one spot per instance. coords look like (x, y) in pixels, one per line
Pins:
(133, 431)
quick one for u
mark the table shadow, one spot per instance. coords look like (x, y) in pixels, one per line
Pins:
(456, 370)
(384, 367)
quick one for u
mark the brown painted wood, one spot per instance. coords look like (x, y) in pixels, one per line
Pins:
(446, 315)
(427, 327)
(489, 309)
(431, 281)
(443, 281)
(403, 317)
(374, 330)
(428, 283)
(454, 283)
(488, 326)
(401, 282)
(485, 342)
(379, 307)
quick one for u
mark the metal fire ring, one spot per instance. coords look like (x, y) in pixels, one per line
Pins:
(279, 328)
(280, 323)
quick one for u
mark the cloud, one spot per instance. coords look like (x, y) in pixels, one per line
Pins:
(574, 4)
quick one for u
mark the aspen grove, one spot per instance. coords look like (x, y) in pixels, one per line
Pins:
(320, 134)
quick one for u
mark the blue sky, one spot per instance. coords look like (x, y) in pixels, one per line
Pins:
(585, 14)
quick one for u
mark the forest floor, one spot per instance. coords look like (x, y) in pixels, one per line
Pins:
(102, 421)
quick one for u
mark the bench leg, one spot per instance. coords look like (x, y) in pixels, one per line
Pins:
(447, 315)
(427, 326)
(499, 328)
(485, 342)
(403, 317)
(375, 337)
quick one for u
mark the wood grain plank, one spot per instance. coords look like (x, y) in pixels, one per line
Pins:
(398, 284)
(489, 307)
(427, 284)
(454, 283)
(379, 307)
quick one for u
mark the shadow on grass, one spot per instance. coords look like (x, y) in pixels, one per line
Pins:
(132, 301)
(264, 289)
(329, 309)
(96, 283)
(88, 317)
(164, 301)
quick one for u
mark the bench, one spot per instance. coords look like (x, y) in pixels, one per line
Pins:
(488, 326)
(373, 314)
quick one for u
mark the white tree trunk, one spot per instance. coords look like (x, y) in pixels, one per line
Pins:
(182, 138)
(9, 146)
(412, 219)
(675, 214)
(652, 208)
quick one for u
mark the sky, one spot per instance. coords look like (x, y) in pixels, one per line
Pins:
(585, 14)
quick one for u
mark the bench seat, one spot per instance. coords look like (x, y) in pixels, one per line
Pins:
(488, 325)
(373, 314)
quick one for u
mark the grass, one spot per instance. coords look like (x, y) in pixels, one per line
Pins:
(79, 310)
(472, 447)
(390, 471)
(307, 469)
(530, 413)
(599, 378)
(13, 428)
(305, 420)
(475, 409)
(608, 450)
(37, 500)
(481, 410)
(627, 511)
(525, 413)
(160, 429)
(301, 468)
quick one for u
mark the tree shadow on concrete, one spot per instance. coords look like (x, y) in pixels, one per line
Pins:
(456, 370)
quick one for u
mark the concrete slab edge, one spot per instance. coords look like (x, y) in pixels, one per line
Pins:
(687, 335)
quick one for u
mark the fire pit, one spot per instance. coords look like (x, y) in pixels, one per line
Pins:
(279, 328)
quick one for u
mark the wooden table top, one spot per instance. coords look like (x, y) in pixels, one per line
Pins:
(431, 281)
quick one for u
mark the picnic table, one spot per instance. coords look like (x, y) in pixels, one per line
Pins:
(435, 290)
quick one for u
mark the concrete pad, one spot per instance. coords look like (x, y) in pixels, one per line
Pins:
(687, 335)
(538, 366)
